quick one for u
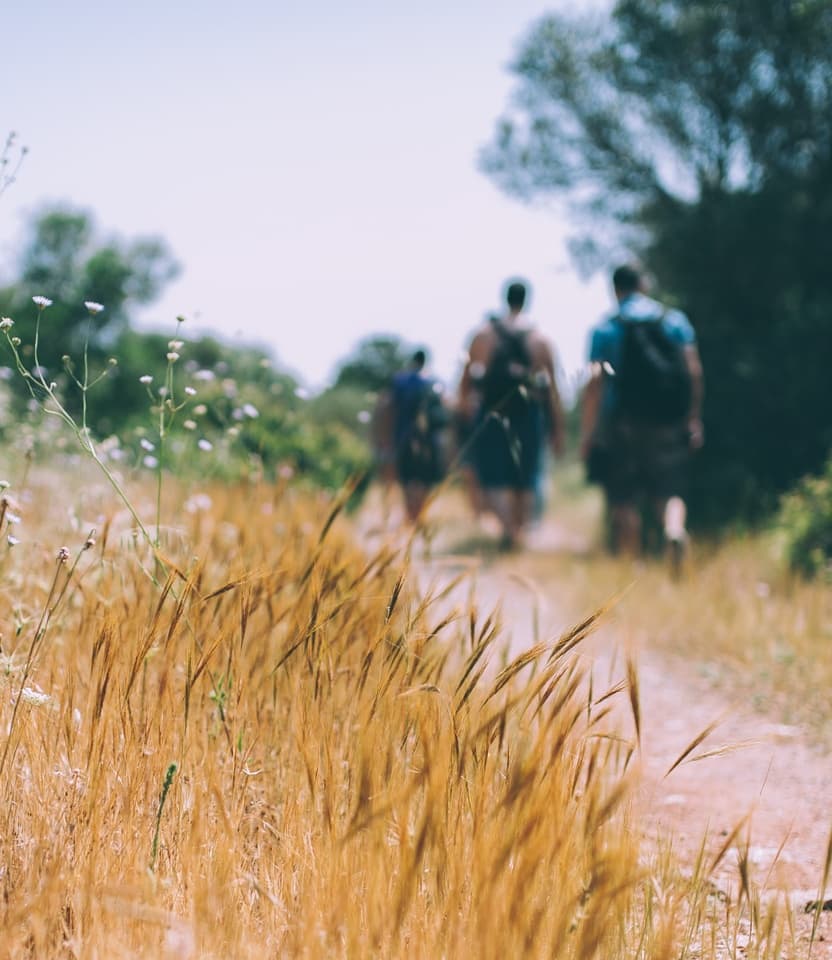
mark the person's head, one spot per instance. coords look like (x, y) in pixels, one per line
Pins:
(516, 293)
(419, 359)
(626, 280)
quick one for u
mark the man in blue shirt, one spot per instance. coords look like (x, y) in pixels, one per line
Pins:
(642, 456)
(410, 418)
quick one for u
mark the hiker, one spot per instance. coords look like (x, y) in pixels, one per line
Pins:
(410, 419)
(641, 415)
(508, 394)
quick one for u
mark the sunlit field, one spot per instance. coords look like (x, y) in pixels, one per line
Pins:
(261, 742)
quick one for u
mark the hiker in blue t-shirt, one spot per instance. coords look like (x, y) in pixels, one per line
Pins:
(414, 418)
(641, 413)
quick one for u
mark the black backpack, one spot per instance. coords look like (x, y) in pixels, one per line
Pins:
(508, 378)
(653, 380)
(423, 417)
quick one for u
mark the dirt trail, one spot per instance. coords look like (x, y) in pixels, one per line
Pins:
(770, 773)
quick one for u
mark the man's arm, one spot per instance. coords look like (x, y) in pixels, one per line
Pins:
(557, 419)
(591, 407)
(381, 432)
(697, 390)
(473, 370)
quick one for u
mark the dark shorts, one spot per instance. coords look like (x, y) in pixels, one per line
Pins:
(465, 441)
(508, 452)
(418, 460)
(644, 460)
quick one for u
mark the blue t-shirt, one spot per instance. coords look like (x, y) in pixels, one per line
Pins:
(607, 337)
(410, 389)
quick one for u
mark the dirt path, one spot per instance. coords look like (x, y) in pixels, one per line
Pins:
(769, 773)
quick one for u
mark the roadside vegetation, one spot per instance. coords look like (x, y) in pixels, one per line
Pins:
(254, 738)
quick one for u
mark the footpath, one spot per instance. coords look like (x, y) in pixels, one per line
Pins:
(760, 772)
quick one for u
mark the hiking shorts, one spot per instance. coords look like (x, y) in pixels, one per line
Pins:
(508, 451)
(418, 460)
(645, 461)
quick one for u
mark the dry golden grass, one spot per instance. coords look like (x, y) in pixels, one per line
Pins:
(279, 750)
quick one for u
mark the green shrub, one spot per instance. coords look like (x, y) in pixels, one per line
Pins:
(806, 522)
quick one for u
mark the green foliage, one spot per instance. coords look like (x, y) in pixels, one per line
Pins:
(372, 365)
(64, 259)
(143, 401)
(699, 137)
(806, 522)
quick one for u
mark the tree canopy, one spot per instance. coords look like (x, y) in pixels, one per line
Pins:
(230, 400)
(697, 136)
(371, 365)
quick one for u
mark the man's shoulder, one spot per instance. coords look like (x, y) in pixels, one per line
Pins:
(606, 329)
(678, 327)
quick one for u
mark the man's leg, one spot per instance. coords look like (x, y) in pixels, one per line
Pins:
(501, 501)
(415, 495)
(673, 513)
(626, 529)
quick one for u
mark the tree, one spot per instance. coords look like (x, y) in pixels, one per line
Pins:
(697, 135)
(64, 259)
(372, 364)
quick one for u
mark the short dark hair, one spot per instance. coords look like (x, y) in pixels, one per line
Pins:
(419, 359)
(516, 294)
(626, 278)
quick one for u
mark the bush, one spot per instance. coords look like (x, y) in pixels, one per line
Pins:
(806, 521)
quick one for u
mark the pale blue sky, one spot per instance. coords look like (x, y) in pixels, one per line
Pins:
(312, 165)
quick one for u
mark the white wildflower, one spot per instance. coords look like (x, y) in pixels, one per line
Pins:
(146, 444)
(4, 484)
(251, 411)
(163, 391)
(190, 392)
(176, 344)
(93, 307)
(35, 697)
(12, 518)
(233, 432)
(150, 462)
(204, 444)
(41, 302)
(146, 379)
(364, 416)
(237, 413)
(6, 323)
(16, 341)
(200, 409)
(172, 357)
(198, 502)
(12, 541)
(189, 424)
(204, 375)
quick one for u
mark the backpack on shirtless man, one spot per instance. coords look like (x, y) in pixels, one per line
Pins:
(507, 382)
